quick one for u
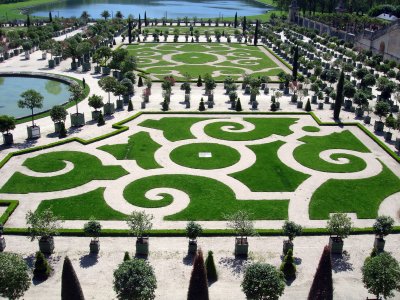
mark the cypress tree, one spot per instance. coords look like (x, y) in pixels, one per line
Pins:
(50, 17)
(256, 33)
(42, 268)
(130, 105)
(100, 120)
(238, 105)
(339, 97)
(322, 286)
(212, 275)
(140, 81)
(244, 23)
(199, 81)
(308, 106)
(28, 21)
(145, 19)
(236, 22)
(130, 31)
(295, 63)
(140, 24)
(287, 267)
(198, 287)
(127, 256)
(201, 105)
(70, 286)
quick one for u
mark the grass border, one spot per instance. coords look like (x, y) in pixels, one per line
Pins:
(11, 206)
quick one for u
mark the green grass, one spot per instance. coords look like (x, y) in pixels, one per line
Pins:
(308, 154)
(311, 129)
(268, 173)
(174, 129)
(140, 147)
(188, 156)
(236, 59)
(183, 29)
(12, 10)
(210, 200)
(82, 207)
(86, 168)
(360, 196)
(264, 127)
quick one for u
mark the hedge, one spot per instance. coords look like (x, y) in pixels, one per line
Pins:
(11, 206)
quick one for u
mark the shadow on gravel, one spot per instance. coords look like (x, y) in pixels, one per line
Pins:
(341, 262)
(235, 265)
(88, 260)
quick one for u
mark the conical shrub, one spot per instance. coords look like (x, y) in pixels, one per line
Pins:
(130, 104)
(238, 105)
(42, 268)
(308, 106)
(140, 81)
(70, 286)
(201, 105)
(212, 275)
(198, 286)
(100, 120)
(63, 131)
(288, 267)
(127, 256)
(322, 286)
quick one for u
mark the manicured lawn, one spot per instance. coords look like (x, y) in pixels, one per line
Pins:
(210, 200)
(201, 58)
(82, 207)
(188, 156)
(86, 168)
(140, 147)
(311, 129)
(361, 196)
(269, 174)
(10, 11)
(308, 154)
(183, 29)
(264, 127)
(174, 129)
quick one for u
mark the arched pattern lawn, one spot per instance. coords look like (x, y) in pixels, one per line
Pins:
(82, 207)
(268, 173)
(308, 154)
(221, 156)
(174, 129)
(86, 168)
(210, 200)
(264, 127)
(140, 147)
(360, 196)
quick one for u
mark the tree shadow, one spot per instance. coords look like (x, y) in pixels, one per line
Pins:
(235, 265)
(340, 262)
(88, 260)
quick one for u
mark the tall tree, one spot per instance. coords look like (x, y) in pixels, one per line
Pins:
(28, 21)
(236, 21)
(256, 33)
(244, 23)
(139, 24)
(339, 97)
(198, 286)
(145, 19)
(295, 63)
(130, 31)
(50, 17)
(322, 286)
(70, 286)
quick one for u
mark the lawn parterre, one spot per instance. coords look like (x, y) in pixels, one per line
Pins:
(219, 60)
(260, 163)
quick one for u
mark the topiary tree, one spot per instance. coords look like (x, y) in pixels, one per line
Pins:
(382, 109)
(93, 229)
(198, 287)
(31, 99)
(383, 226)
(381, 275)
(201, 105)
(263, 281)
(307, 108)
(14, 276)
(390, 122)
(130, 105)
(139, 223)
(288, 267)
(199, 81)
(339, 97)
(127, 256)
(42, 268)
(7, 123)
(212, 274)
(291, 230)
(96, 102)
(108, 85)
(100, 120)
(77, 93)
(340, 226)
(135, 279)
(70, 286)
(238, 106)
(58, 114)
(322, 286)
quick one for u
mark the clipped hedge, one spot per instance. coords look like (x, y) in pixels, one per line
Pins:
(12, 205)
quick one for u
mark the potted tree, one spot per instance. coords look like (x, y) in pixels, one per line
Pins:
(7, 123)
(243, 226)
(193, 230)
(382, 227)
(108, 85)
(43, 225)
(2, 239)
(96, 102)
(27, 46)
(339, 226)
(83, 50)
(102, 55)
(119, 91)
(58, 115)
(291, 230)
(382, 109)
(31, 99)
(390, 124)
(93, 229)
(77, 119)
(139, 223)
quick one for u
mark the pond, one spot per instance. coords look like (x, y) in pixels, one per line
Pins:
(53, 92)
(154, 8)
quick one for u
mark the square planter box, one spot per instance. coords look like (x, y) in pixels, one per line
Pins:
(86, 67)
(52, 63)
(397, 143)
(241, 247)
(97, 69)
(336, 245)
(109, 108)
(300, 104)
(2, 244)
(378, 126)
(44, 55)
(388, 136)
(142, 246)
(57, 60)
(46, 245)
(33, 132)
(57, 127)
(8, 139)
(94, 247)
(77, 120)
(379, 244)
(74, 66)
(287, 245)
(320, 105)
(120, 104)
(266, 91)
(192, 248)
(106, 70)
(125, 98)
(314, 99)
(95, 115)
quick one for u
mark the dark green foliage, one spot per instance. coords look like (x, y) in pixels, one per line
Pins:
(322, 286)
(238, 106)
(201, 105)
(308, 106)
(339, 97)
(212, 275)
(236, 21)
(140, 82)
(295, 63)
(198, 286)
(288, 267)
(127, 256)
(14, 276)
(130, 105)
(100, 120)
(199, 81)
(70, 286)
(273, 107)
(165, 106)
(63, 131)
(256, 33)
(42, 268)
(130, 31)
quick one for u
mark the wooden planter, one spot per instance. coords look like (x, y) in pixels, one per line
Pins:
(2, 244)
(367, 119)
(8, 139)
(120, 104)
(388, 136)
(95, 115)
(52, 63)
(241, 247)
(192, 248)
(94, 246)
(142, 246)
(77, 120)
(379, 244)
(57, 127)
(397, 143)
(378, 126)
(336, 245)
(33, 132)
(97, 69)
(109, 108)
(46, 245)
